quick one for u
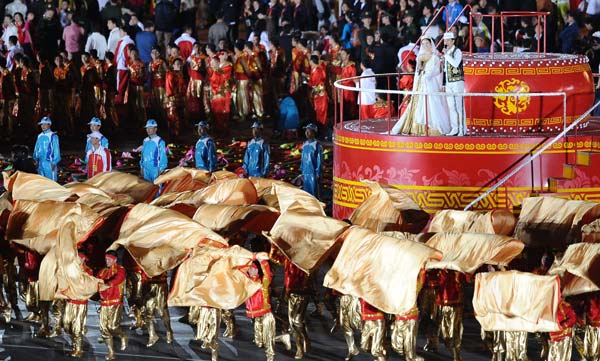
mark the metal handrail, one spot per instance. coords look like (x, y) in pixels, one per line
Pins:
(534, 156)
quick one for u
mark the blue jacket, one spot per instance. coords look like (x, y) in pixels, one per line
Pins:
(288, 114)
(144, 41)
(567, 35)
(257, 158)
(312, 155)
(206, 154)
(346, 38)
(154, 157)
(454, 9)
(47, 154)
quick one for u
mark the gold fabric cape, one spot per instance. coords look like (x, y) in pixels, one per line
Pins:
(304, 238)
(124, 183)
(580, 268)
(294, 197)
(35, 224)
(389, 209)
(214, 277)
(381, 270)
(87, 190)
(466, 252)
(233, 218)
(181, 179)
(493, 222)
(591, 232)
(34, 187)
(61, 275)
(516, 301)
(264, 190)
(554, 222)
(229, 191)
(160, 239)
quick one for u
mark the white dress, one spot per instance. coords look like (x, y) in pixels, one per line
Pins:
(431, 109)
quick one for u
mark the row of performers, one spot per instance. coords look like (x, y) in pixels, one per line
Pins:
(439, 311)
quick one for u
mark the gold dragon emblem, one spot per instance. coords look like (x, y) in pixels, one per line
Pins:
(508, 104)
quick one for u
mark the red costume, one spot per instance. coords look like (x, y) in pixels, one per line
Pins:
(122, 63)
(98, 161)
(260, 302)
(135, 92)
(175, 89)
(114, 277)
(195, 85)
(220, 91)
(319, 95)
(450, 288)
(370, 313)
(300, 66)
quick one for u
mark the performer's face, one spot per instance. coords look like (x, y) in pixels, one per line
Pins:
(95, 141)
(252, 272)
(110, 261)
(201, 130)
(151, 130)
(310, 134)
(45, 126)
(94, 127)
(256, 132)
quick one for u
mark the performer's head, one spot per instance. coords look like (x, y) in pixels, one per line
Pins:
(202, 127)
(151, 127)
(310, 131)
(45, 123)
(449, 39)
(314, 61)
(254, 270)
(155, 52)
(109, 57)
(177, 64)
(344, 54)
(110, 257)
(257, 127)
(95, 139)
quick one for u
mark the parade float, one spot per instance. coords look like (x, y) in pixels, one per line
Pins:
(529, 132)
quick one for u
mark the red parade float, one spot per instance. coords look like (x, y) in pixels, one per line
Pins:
(529, 131)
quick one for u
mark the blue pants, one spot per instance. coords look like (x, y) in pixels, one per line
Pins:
(45, 170)
(150, 173)
(310, 184)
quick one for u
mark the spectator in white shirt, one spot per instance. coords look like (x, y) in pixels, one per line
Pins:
(13, 49)
(9, 29)
(16, 6)
(97, 41)
(114, 36)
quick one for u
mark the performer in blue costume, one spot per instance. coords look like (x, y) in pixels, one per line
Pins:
(95, 125)
(311, 164)
(206, 153)
(154, 153)
(257, 158)
(47, 151)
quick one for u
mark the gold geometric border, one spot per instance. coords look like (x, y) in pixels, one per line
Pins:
(351, 194)
(456, 147)
(544, 70)
(521, 122)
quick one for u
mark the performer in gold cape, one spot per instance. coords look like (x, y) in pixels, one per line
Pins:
(404, 329)
(373, 331)
(449, 302)
(111, 303)
(154, 292)
(258, 308)
(297, 288)
(75, 316)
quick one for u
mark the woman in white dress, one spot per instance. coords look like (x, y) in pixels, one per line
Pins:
(423, 110)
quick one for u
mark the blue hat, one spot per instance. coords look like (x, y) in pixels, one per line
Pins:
(45, 120)
(311, 126)
(95, 121)
(203, 124)
(257, 124)
(151, 123)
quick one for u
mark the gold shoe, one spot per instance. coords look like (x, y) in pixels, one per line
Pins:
(169, 336)
(7, 313)
(351, 354)
(110, 357)
(287, 342)
(152, 340)
(299, 355)
(76, 353)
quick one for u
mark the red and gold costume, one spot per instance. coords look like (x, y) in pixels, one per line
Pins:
(75, 319)
(98, 161)
(195, 86)
(175, 91)
(382, 109)
(319, 95)
(591, 341)
(297, 288)
(111, 307)
(258, 307)
(373, 330)
(404, 329)
(348, 97)
(277, 67)
(259, 68)
(87, 92)
(449, 303)
(220, 95)
(300, 66)
(561, 341)
(135, 92)
(243, 95)
(158, 73)
(154, 291)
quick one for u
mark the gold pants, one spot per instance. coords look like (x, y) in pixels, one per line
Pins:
(373, 334)
(133, 288)
(350, 320)
(194, 315)
(110, 321)
(257, 98)
(495, 342)
(208, 327)
(243, 99)
(74, 321)
(560, 350)
(264, 334)
(296, 315)
(428, 312)
(58, 312)
(404, 339)
(591, 343)
(451, 328)
(156, 302)
(31, 296)
(229, 320)
(516, 345)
